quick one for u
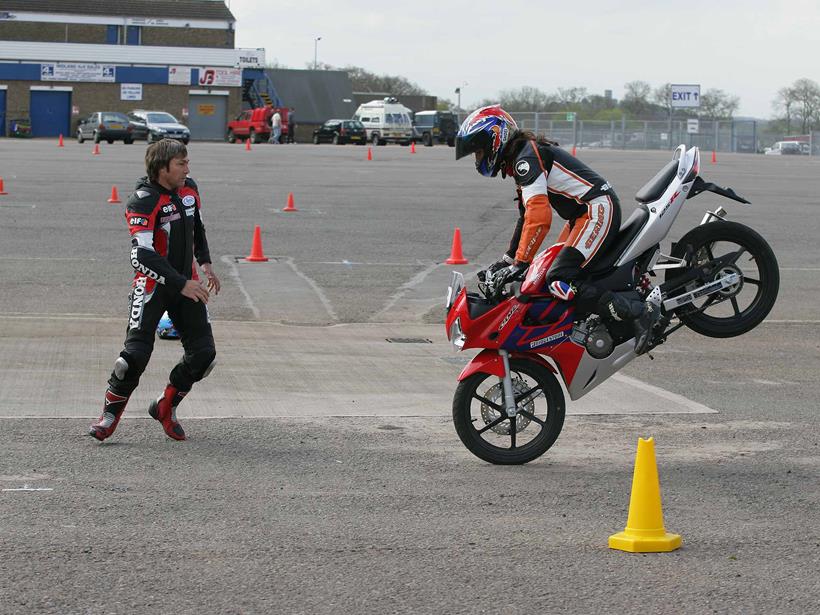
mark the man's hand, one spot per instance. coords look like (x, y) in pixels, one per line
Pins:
(488, 273)
(514, 272)
(195, 290)
(213, 281)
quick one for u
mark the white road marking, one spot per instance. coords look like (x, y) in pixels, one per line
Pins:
(229, 260)
(414, 281)
(693, 406)
(316, 289)
(25, 487)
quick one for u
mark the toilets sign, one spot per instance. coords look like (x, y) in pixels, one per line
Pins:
(684, 96)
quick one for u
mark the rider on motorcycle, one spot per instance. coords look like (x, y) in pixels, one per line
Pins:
(548, 177)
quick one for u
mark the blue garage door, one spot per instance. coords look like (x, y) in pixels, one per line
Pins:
(2, 113)
(50, 113)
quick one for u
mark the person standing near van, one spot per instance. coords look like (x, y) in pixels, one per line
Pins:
(276, 127)
(292, 125)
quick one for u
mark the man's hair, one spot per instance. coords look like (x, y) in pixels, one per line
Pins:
(160, 154)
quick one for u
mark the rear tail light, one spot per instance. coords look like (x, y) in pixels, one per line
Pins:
(342, 132)
(130, 128)
(101, 126)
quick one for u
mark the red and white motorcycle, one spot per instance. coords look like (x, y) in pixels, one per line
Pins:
(721, 280)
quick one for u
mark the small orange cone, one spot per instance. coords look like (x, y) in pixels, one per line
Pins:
(60, 142)
(115, 197)
(256, 255)
(456, 257)
(412, 147)
(714, 157)
(2, 189)
(573, 150)
(96, 151)
(248, 145)
(290, 206)
(369, 153)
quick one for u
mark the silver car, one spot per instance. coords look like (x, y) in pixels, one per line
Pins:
(161, 125)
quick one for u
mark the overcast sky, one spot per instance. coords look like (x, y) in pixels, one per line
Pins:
(748, 48)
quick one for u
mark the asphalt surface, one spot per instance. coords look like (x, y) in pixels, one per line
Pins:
(384, 511)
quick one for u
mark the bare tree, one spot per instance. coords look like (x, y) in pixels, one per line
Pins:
(636, 98)
(717, 105)
(807, 98)
(785, 100)
(662, 96)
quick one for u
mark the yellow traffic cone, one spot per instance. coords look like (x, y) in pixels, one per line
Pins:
(644, 531)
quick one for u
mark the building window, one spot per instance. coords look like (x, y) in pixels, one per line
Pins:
(112, 35)
(133, 35)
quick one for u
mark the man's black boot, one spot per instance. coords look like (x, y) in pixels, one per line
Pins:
(643, 314)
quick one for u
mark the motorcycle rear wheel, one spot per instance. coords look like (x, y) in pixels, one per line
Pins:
(482, 424)
(739, 309)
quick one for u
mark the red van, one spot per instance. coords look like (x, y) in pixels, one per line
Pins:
(254, 124)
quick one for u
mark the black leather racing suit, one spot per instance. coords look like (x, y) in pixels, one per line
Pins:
(166, 234)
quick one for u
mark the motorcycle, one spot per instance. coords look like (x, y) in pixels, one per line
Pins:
(720, 280)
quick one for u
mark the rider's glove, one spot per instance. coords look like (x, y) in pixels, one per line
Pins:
(511, 273)
(488, 273)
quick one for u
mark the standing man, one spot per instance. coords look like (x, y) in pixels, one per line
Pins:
(292, 125)
(276, 127)
(167, 233)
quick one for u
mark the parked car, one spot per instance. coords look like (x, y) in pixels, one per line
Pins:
(105, 126)
(340, 132)
(160, 125)
(784, 148)
(435, 127)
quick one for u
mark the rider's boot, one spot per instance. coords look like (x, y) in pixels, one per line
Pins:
(164, 410)
(643, 314)
(113, 408)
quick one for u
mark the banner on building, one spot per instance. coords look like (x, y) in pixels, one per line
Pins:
(179, 75)
(220, 76)
(130, 91)
(75, 71)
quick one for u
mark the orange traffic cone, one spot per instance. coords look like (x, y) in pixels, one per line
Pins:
(369, 153)
(412, 147)
(115, 197)
(290, 206)
(256, 255)
(456, 257)
(248, 145)
(96, 151)
(2, 189)
(714, 157)
(573, 150)
(60, 142)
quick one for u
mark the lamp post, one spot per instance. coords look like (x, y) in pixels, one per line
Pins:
(458, 91)
(315, 51)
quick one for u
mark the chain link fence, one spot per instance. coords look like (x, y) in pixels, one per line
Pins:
(739, 136)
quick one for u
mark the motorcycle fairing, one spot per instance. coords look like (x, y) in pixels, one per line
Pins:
(489, 362)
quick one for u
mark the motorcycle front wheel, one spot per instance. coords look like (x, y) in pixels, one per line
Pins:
(482, 424)
(740, 308)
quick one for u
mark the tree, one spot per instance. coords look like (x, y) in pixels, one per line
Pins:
(717, 105)
(636, 98)
(364, 81)
(807, 98)
(786, 101)
(662, 96)
(569, 97)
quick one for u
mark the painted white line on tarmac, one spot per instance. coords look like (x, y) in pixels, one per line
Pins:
(319, 293)
(231, 262)
(691, 406)
(414, 281)
(27, 488)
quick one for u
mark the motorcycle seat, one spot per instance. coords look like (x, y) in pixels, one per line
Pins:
(626, 234)
(653, 190)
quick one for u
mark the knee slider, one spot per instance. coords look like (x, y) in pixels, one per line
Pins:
(130, 364)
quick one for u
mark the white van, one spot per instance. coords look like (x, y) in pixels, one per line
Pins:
(385, 120)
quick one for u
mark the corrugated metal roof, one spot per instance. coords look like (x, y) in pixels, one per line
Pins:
(185, 9)
(20, 51)
(316, 95)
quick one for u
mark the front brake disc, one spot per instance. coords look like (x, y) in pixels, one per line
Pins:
(495, 395)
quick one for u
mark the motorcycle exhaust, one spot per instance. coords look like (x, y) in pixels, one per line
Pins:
(726, 281)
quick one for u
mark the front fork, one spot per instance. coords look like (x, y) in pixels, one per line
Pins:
(506, 380)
